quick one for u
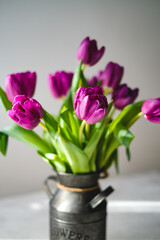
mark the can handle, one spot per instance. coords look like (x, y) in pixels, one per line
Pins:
(47, 187)
(100, 197)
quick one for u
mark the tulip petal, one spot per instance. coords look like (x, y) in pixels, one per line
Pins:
(117, 77)
(87, 107)
(97, 116)
(34, 108)
(111, 76)
(20, 84)
(151, 106)
(92, 82)
(87, 103)
(78, 96)
(83, 51)
(151, 110)
(124, 96)
(153, 119)
(122, 91)
(60, 83)
(12, 116)
(107, 74)
(97, 56)
(120, 103)
(29, 83)
(19, 98)
(28, 124)
(12, 87)
(26, 112)
(19, 115)
(53, 86)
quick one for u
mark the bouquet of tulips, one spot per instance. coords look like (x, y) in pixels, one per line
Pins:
(85, 136)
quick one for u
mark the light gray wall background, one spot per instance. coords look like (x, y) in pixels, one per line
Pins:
(43, 36)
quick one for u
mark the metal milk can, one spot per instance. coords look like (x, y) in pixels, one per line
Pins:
(78, 207)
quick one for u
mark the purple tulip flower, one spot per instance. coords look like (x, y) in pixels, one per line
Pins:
(111, 76)
(90, 104)
(60, 83)
(88, 52)
(92, 82)
(151, 110)
(124, 96)
(20, 84)
(26, 112)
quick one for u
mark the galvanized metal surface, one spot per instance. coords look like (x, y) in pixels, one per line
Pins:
(77, 215)
(129, 216)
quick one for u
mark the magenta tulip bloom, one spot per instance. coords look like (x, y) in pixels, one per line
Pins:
(20, 84)
(90, 104)
(111, 76)
(151, 110)
(26, 112)
(124, 96)
(89, 53)
(60, 83)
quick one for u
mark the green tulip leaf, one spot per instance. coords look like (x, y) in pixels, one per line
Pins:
(116, 161)
(3, 143)
(113, 159)
(128, 154)
(48, 140)
(83, 81)
(50, 122)
(27, 136)
(72, 125)
(127, 116)
(67, 102)
(123, 135)
(65, 129)
(71, 154)
(109, 147)
(64, 115)
(7, 104)
(54, 161)
(93, 161)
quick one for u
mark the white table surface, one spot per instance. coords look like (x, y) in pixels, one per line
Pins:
(133, 210)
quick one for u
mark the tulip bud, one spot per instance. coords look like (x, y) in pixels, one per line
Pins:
(88, 52)
(26, 112)
(60, 83)
(20, 84)
(151, 110)
(90, 104)
(124, 96)
(111, 76)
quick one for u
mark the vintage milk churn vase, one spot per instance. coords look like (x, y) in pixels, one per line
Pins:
(78, 207)
(81, 141)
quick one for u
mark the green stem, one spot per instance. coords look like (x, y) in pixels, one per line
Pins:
(134, 119)
(81, 131)
(87, 130)
(110, 149)
(43, 126)
(107, 90)
(111, 114)
(83, 67)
